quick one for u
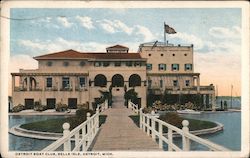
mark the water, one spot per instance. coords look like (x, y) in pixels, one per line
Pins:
(236, 102)
(230, 137)
(17, 143)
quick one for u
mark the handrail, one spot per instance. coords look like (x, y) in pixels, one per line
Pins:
(148, 125)
(133, 106)
(83, 140)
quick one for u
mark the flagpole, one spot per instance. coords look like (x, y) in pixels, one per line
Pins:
(164, 34)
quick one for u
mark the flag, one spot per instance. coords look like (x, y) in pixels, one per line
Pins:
(169, 30)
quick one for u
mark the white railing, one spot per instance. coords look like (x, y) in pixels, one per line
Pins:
(133, 106)
(83, 135)
(154, 128)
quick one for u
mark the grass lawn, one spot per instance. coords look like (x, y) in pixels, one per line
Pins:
(193, 124)
(55, 125)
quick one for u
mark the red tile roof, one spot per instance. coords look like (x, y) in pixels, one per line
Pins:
(117, 46)
(72, 54)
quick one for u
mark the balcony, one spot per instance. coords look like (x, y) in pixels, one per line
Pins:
(81, 88)
(19, 89)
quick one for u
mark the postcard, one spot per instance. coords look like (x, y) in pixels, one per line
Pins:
(124, 79)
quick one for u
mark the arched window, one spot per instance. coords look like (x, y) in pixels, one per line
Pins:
(33, 83)
(117, 81)
(134, 80)
(100, 80)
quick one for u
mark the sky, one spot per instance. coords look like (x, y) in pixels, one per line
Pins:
(215, 34)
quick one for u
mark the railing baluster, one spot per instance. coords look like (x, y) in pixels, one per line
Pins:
(170, 139)
(141, 124)
(160, 135)
(148, 132)
(97, 119)
(88, 129)
(67, 144)
(77, 140)
(83, 135)
(153, 128)
(185, 140)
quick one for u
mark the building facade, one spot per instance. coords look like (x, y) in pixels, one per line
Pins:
(72, 77)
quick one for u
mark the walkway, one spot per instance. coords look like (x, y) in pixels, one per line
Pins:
(120, 133)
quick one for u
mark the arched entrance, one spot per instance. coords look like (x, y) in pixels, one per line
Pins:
(134, 80)
(117, 81)
(100, 80)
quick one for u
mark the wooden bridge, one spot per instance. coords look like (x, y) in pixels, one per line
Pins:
(119, 133)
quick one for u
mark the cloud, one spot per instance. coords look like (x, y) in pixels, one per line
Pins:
(37, 46)
(145, 32)
(22, 61)
(85, 22)
(220, 66)
(188, 38)
(222, 32)
(64, 21)
(115, 26)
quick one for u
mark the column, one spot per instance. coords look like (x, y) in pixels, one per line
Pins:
(28, 83)
(58, 82)
(73, 83)
(213, 102)
(198, 83)
(13, 83)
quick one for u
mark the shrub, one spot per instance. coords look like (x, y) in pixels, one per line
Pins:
(147, 110)
(61, 107)
(18, 108)
(39, 107)
(82, 113)
(83, 106)
(172, 118)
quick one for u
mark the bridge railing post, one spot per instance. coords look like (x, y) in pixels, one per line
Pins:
(170, 139)
(148, 128)
(153, 126)
(160, 135)
(185, 140)
(83, 135)
(66, 132)
(97, 119)
(141, 119)
(88, 128)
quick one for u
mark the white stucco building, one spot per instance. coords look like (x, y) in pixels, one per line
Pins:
(73, 77)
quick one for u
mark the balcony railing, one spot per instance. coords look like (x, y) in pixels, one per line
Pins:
(81, 88)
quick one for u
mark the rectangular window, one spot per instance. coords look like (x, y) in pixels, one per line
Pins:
(49, 82)
(117, 63)
(175, 83)
(137, 63)
(175, 67)
(82, 81)
(97, 64)
(187, 82)
(162, 67)
(161, 83)
(188, 67)
(65, 82)
(149, 66)
(129, 63)
(105, 63)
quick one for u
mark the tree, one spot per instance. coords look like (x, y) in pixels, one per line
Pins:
(130, 95)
